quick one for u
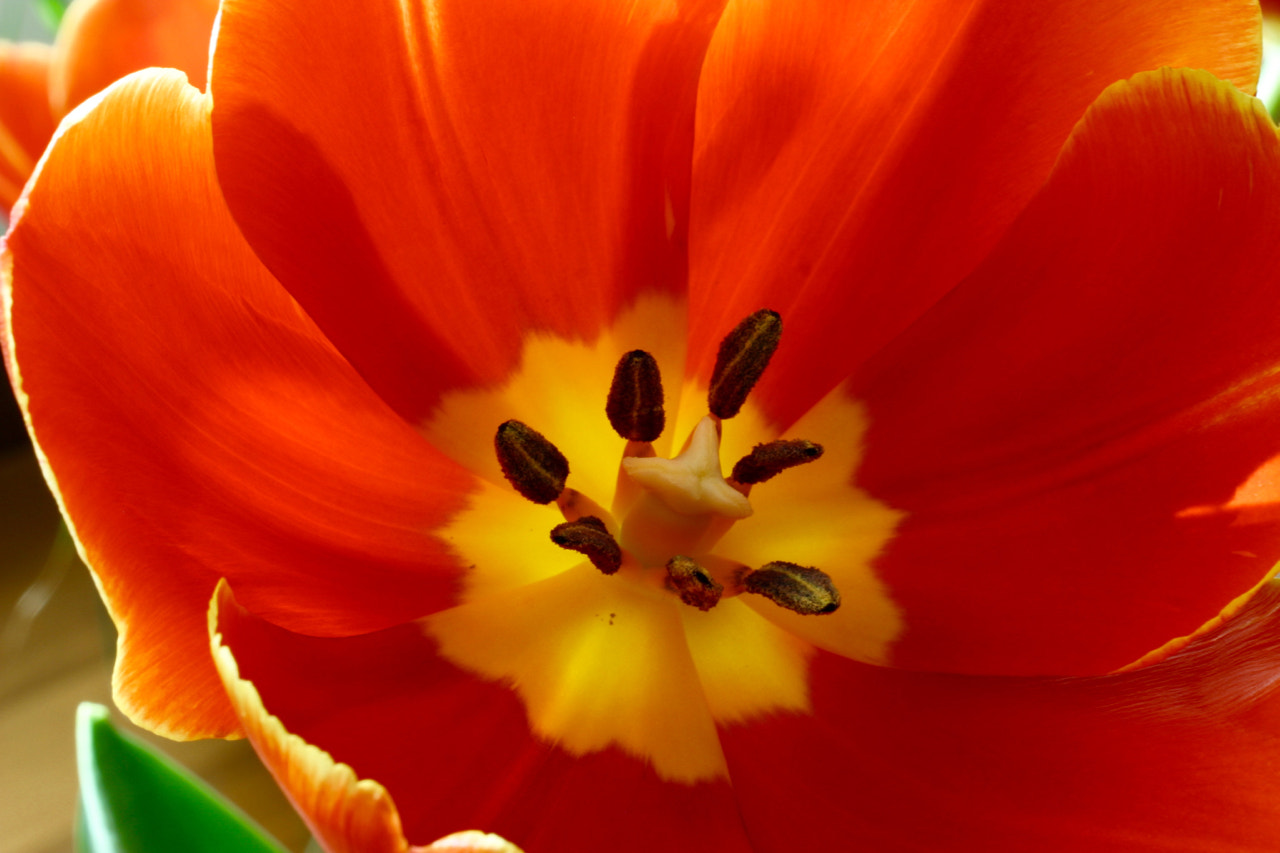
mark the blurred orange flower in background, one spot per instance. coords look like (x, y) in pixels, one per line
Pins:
(264, 339)
(98, 42)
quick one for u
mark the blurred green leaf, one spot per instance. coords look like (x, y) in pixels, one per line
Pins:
(135, 800)
(51, 12)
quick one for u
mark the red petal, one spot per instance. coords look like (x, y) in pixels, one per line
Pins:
(193, 422)
(100, 41)
(856, 160)
(453, 751)
(1180, 756)
(490, 168)
(1067, 431)
(26, 122)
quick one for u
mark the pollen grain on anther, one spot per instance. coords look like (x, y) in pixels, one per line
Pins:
(695, 586)
(589, 537)
(801, 589)
(531, 463)
(635, 403)
(769, 459)
(743, 355)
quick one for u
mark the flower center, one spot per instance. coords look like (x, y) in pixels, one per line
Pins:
(647, 631)
(668, 513)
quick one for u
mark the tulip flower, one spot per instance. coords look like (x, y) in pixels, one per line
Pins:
(746, 425)
(98, 42)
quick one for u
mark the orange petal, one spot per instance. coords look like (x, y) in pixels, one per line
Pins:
(347, 815)
(26, 122)
(100, 41)
(489, 169)
(1180, 756)
(453, 751)
(856, 160)
(1071, 431)
(193, 422)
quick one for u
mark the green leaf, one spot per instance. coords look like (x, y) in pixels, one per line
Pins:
(51, 12)
(133, 799)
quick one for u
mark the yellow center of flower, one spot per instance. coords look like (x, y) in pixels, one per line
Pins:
(612, 631)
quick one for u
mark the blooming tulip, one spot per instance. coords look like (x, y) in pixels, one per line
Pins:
(685, 426)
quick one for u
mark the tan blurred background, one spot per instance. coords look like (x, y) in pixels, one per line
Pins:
(56, 645)
(55, 651)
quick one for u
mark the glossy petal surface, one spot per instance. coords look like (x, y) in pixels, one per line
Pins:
(1177, 757)
(490, 168)
(452, 750)
(856, 160)
(100, 41)
(214, 432)
(26, 122)
(1068, 429)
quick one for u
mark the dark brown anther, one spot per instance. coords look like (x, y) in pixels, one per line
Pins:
(765, 461)
(691, 582)
(635, 398)
(531, 463)
(743, 356)
(801, 589)
(589, 536)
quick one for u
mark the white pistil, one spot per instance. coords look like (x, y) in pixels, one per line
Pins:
(691, 483)
(686, 506)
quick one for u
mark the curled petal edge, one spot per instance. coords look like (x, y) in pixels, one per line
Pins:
(1205, 631)
(346, 814)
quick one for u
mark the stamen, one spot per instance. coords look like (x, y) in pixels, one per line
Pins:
(801, 589)
(743, 356)
(589, 536)
(531, 463)
(694, 585)
(635, 398)
(766, 461)
(574, 505)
